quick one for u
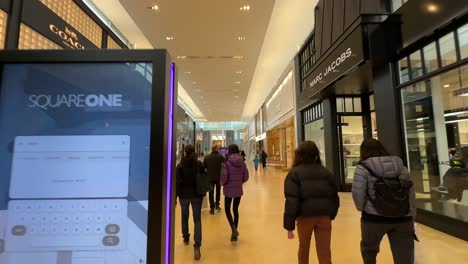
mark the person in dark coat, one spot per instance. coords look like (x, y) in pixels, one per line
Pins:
(186, 190)
(263, 158)
(312, 201)
(243, 155)
(213, 163)
(233, 175)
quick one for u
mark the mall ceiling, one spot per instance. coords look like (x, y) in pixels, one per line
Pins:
(216, 45)
(230, 53)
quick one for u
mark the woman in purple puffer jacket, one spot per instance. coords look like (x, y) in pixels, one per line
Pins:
(233, 174)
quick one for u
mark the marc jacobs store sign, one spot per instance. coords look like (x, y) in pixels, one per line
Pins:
(344, 58)
(40, 18)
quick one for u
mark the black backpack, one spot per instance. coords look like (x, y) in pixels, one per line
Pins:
(392, 195)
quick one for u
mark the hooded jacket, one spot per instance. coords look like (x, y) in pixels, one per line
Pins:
(233, 174)
(363, 183)
(310, 190)
(213, 164)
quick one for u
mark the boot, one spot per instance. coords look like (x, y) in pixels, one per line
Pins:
(234, 234)
(212, 212)
(196, 252)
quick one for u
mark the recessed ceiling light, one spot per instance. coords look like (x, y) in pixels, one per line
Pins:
(241, 38)
(245, 8)
(238, 72)
(447, 86)
(187, 72)
(181, 57)
(432, 8)
(169, 38)
(154, 7)
(238, 57)
(237, 82)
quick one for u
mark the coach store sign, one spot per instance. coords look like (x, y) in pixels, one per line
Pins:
(40, 18)
(344, 58)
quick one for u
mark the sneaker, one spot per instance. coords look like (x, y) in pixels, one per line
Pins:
(218, 208)
(196, 252)
(212, 211)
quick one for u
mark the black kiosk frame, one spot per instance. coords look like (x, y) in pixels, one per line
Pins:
(160, 228)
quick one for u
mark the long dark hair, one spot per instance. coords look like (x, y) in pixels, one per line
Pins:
(189, 154)
(372, 148)
(307, 153)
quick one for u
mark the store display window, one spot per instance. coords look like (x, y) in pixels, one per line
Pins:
(436, 125)
(70, 12)
(31, 39)
(112, 44)
(3, 23)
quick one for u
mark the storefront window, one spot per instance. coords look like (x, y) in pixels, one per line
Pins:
(3, 23)
(436, 124)
(447, 50)
(112, 44)
(69, 11)
(416, 65)
(314, 132)
(430, 57)
(463, 41)
(404, 71)
(31, 39)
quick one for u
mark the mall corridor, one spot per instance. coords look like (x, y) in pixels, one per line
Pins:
(263, 240)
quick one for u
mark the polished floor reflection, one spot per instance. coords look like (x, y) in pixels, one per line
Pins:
(263, 240)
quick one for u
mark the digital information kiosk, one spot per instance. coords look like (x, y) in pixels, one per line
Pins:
(86, 157)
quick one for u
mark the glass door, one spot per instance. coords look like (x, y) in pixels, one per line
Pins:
(351, 135)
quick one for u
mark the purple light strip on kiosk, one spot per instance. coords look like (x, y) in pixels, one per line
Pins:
(169, 166)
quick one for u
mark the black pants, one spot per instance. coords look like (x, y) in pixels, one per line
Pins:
(400, 235)
(264, 163)
(217, 188)
(235, 209)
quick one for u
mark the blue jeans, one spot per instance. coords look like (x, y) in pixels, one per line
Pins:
(196, 209)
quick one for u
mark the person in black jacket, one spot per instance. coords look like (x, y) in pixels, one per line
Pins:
(213, 163)
(186, 190)
(312, 200)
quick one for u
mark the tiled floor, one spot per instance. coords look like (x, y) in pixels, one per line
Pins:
(263, 240)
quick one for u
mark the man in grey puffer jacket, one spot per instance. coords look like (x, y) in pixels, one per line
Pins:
(400, 230)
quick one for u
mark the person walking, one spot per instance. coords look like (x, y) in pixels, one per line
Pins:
(263, 157)
(312, 201)
(186, 189)
(383, 192)
(213, 163)
(234, 174)
(256, 161)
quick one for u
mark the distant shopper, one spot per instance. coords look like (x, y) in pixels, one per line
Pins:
(263, 158)
(186, 190)
(213, 163)
(243, 155)
(312, 200)
(256, 161)
(383, 192)
(233, 175)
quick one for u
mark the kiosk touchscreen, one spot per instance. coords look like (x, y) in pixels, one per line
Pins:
(75, 155)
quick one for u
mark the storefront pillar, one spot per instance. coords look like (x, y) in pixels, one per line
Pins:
(331, 140)
(13, 27)
(387, 109)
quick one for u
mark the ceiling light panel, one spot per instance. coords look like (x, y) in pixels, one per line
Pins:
(154, 7)
(245, 8)
(241, 38)
(169, 38)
